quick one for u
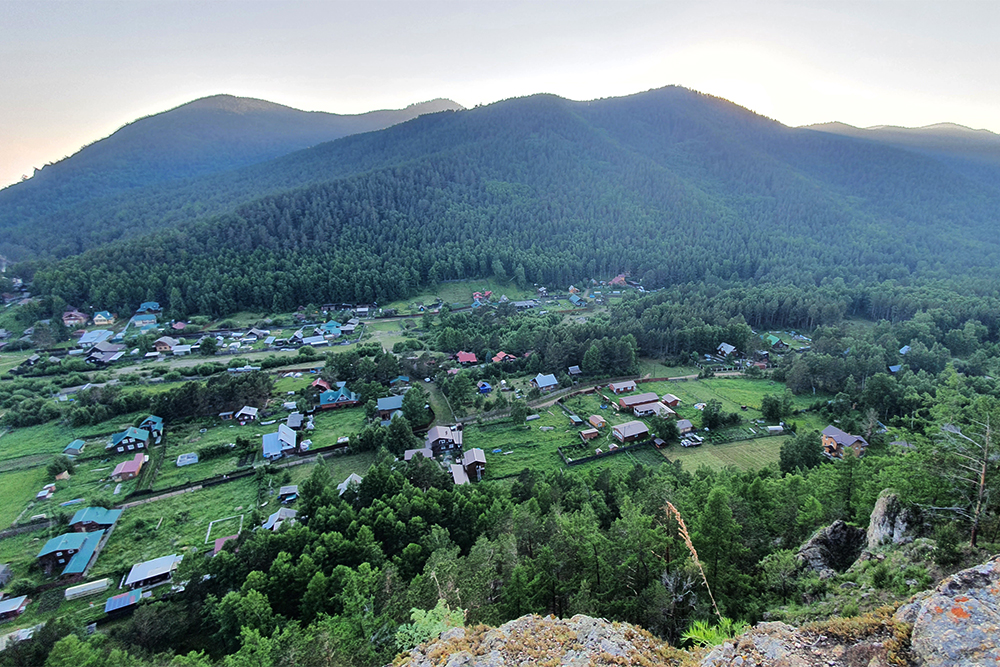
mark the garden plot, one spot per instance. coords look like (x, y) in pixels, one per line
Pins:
(743, 454)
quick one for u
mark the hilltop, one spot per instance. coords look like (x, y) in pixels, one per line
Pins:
(206, 136)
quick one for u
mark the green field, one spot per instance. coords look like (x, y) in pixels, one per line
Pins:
(18, 489)
(744, 454)
(334, 424)
(51, 438)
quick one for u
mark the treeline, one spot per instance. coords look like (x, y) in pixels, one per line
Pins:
(545, 191)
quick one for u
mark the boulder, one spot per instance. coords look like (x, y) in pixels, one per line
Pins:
(832, 549)
(890, 522)
(958, 623)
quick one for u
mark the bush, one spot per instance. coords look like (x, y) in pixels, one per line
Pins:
(947, 552)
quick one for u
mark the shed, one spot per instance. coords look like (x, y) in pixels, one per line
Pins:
(577, 421)
(89, 519)
(13, 607)
(589, 434)
(122, 603)
(74, 448)
(622, 387)
(90, 588)
(670, 400)
(597, 421)
(187, 459)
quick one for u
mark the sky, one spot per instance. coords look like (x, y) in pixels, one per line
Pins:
(74, 72)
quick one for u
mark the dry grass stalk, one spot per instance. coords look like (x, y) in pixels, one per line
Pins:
(694, 554)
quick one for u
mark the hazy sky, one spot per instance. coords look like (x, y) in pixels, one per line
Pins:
(73, 72)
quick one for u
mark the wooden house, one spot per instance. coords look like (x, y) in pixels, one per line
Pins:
(443, 439)
(836, 442)
(622, 387)
(632, 431)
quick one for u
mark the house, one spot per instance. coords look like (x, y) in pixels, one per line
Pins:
(725, 349)
(650, 409)
(92, 338)
(574, 370)
(622, 387)
(279, 518)
(545, 382)
(141, 321)
(484, 387)
(331, 328)
(74, 318)
(122, 604)
(399, 381)
(74, 448)
(226, 416)
(443, 438)
(152, 572)
(90, 519)
(153, 424)
(71, 553)
(130, 439)
(458, 474)
(294, 421)
(276, 445)
(348, 329)
(11, 608)
(321, 384)
(670, 400)
(466, 358)
(589, 434)
(425, 452)
(474, 463)
(287, 494)
(246, 414)
(128, 469)
(774, 342)
(630, 431)
(524, 305)
(388, 406)
(187, 459)
(351, 480)
(629, 402)
(503, 356)
(103, 318)
(836, 441)
(148, 307)
(179, 326)
(597, 421)
(181, 350)
(341, 397)
(165, 344)
(684, 426)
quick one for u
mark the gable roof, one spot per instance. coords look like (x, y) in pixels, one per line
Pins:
(76, 445)
(272, 446)
(63, 543)
(466, 358)
(130, 432)
(94, 337)
(843, 438)
(12, 604)
(474, 455)
(97, 515)
(134, 466)
(631, 428)
(153, 568)
(339, 395)
(726, 349)
(121, 601)
(627, 385)
(390, 403)
(353, 478)
(458, 474)
(544, 381)
(275, 520)
(638, 399)
(86, 543)
(443, 433)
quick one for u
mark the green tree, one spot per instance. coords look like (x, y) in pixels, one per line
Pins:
(414, 405)
(803, 450)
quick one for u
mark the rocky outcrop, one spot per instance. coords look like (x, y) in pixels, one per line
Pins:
(891, 522)
(832, 549)
(580, 641)
(781, 645)
(958, 623)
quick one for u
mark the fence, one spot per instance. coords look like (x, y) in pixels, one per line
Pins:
(593, 457)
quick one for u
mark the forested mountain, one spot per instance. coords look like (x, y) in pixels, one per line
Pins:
(974, 153)
(671, 185)
(206, 136)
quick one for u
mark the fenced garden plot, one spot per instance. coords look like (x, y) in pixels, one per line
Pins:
(224, 527)
(743, 454)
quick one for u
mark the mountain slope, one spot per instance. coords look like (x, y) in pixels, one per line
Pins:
(206, 136)
(973, 153)
(671, 185)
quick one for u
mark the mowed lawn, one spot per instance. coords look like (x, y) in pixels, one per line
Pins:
(743, 454)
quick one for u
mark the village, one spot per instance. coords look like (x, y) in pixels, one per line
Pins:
(170, 490)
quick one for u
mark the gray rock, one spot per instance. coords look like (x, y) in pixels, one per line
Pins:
(890, 522)
(958, 623)
(832, 549)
